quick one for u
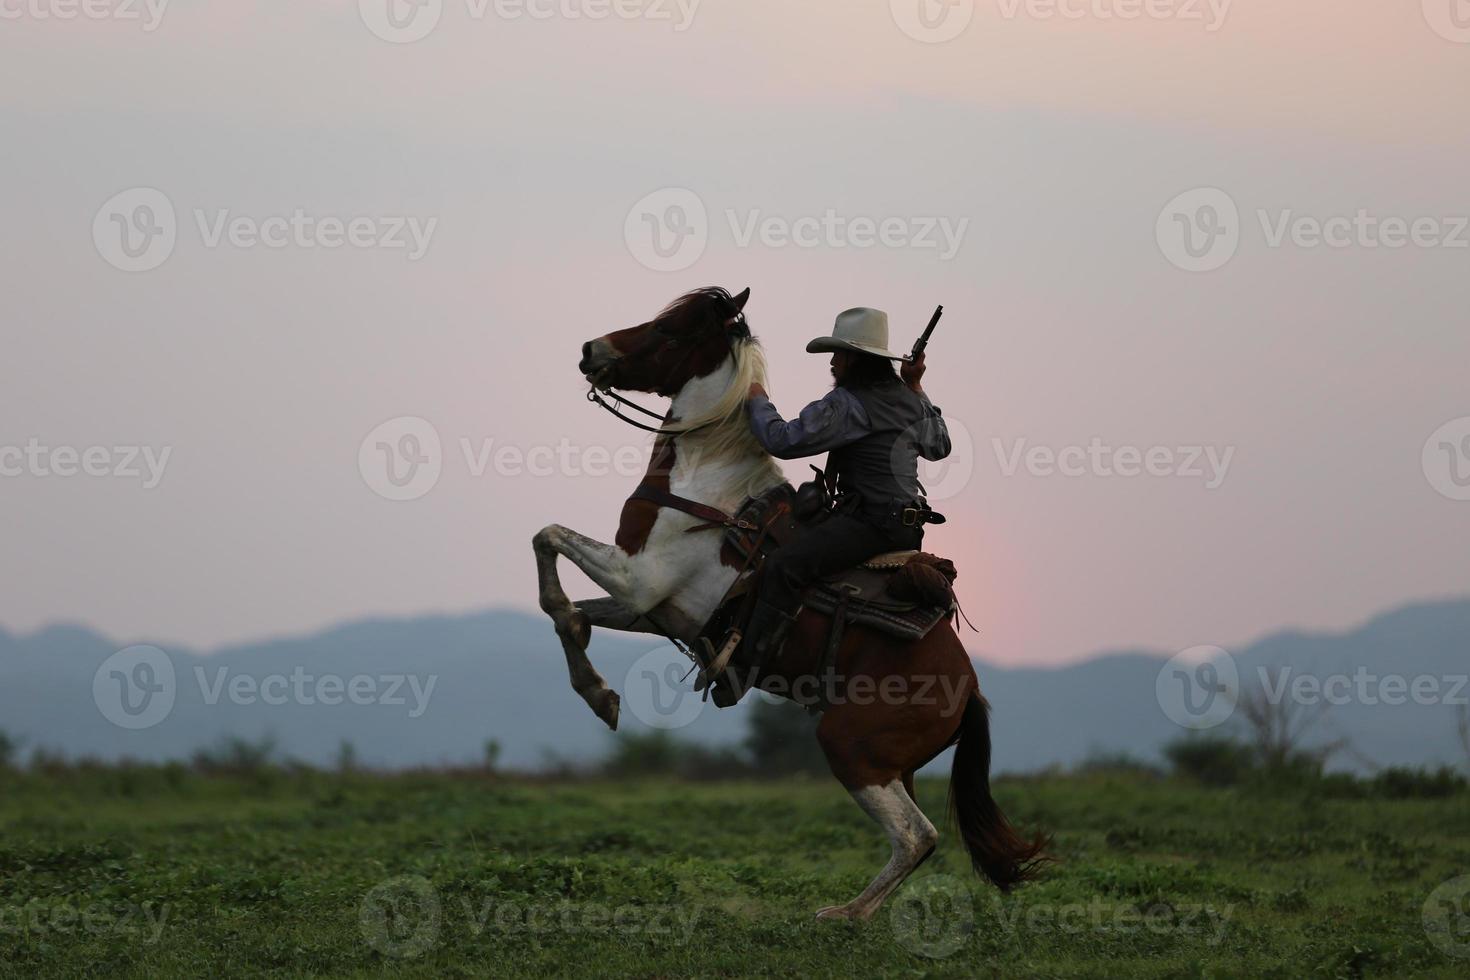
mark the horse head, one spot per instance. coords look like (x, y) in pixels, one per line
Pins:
(691, 338)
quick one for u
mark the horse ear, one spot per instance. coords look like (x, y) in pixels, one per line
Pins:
(741, 299)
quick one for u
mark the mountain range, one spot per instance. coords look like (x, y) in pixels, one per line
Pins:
(433, 690)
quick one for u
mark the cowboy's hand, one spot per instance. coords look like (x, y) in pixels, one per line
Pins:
(912, 372)
(755, 389)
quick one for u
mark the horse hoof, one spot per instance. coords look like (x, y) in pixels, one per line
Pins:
(607, 709)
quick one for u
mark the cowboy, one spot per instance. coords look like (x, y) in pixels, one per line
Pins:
(875, 423)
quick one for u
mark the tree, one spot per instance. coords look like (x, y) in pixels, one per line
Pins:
(1465, 732)
(1278, 728)
(782, 738)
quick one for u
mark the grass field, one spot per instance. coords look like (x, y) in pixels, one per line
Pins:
(164, 873)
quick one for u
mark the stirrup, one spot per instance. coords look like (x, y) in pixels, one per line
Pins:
(718, 662)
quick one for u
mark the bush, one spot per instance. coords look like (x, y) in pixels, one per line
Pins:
(658, 753)
(1398, 783)
(782, 739)
(234, 754)
(1210, 759)
(9, 746)
(1118, 763)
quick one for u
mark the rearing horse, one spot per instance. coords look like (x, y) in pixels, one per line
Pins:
(660, 579)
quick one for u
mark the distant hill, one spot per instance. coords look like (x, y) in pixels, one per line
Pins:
(501, 675)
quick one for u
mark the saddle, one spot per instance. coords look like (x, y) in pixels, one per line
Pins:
(904, 594)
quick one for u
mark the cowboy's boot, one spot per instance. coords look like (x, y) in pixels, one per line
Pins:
(764, 636)
(768, 627)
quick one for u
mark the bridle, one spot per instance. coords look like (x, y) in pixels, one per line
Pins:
(600, 397)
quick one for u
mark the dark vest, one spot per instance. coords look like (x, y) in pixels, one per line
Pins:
(883, 466)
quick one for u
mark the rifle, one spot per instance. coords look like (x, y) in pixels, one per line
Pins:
(923, 340)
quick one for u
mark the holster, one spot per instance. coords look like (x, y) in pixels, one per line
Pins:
(814, 499)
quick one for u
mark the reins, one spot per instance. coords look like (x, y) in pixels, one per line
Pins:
(595, 396)
(616, 410)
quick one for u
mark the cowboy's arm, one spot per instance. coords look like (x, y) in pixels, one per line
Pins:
(933, 436)
(829, 423)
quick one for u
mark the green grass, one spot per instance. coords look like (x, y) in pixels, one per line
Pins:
(161, 873)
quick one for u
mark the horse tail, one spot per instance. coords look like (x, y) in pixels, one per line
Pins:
(997, 850)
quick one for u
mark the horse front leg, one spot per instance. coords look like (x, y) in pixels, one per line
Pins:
(608, 567)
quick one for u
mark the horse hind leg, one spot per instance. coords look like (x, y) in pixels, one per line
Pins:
(910, 834)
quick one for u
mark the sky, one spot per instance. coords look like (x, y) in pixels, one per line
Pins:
(1204, 266)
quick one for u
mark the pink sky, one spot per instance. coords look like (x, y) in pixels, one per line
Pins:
(1059, 141)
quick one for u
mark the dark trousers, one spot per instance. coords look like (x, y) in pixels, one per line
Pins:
(839, 542)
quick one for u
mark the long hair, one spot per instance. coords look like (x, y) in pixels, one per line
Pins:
(868, 371)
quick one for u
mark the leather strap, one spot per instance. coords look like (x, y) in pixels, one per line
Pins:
(712, 516)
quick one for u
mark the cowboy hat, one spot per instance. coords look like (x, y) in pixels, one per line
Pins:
(862, 331)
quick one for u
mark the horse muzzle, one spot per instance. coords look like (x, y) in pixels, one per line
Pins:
(597, 363)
